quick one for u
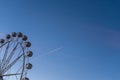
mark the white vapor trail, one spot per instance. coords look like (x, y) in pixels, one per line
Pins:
(50, 52)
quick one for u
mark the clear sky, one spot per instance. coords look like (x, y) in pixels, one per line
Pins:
(71, 39)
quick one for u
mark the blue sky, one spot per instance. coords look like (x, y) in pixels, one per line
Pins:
(71, 39)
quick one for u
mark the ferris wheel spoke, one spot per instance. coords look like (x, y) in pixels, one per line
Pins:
(0, 58)
(11, 55)
(3, 44)
(11, 64)
(12, 74)
(5, 54)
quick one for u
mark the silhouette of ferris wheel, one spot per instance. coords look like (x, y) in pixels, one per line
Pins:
(14, 57)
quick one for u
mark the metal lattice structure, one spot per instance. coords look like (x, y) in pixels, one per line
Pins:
(14, 57)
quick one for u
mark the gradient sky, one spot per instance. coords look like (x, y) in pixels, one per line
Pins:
(71, 39)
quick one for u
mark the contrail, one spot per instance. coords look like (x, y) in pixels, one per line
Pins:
(50, 52)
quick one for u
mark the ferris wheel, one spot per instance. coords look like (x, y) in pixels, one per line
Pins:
(15, 55)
